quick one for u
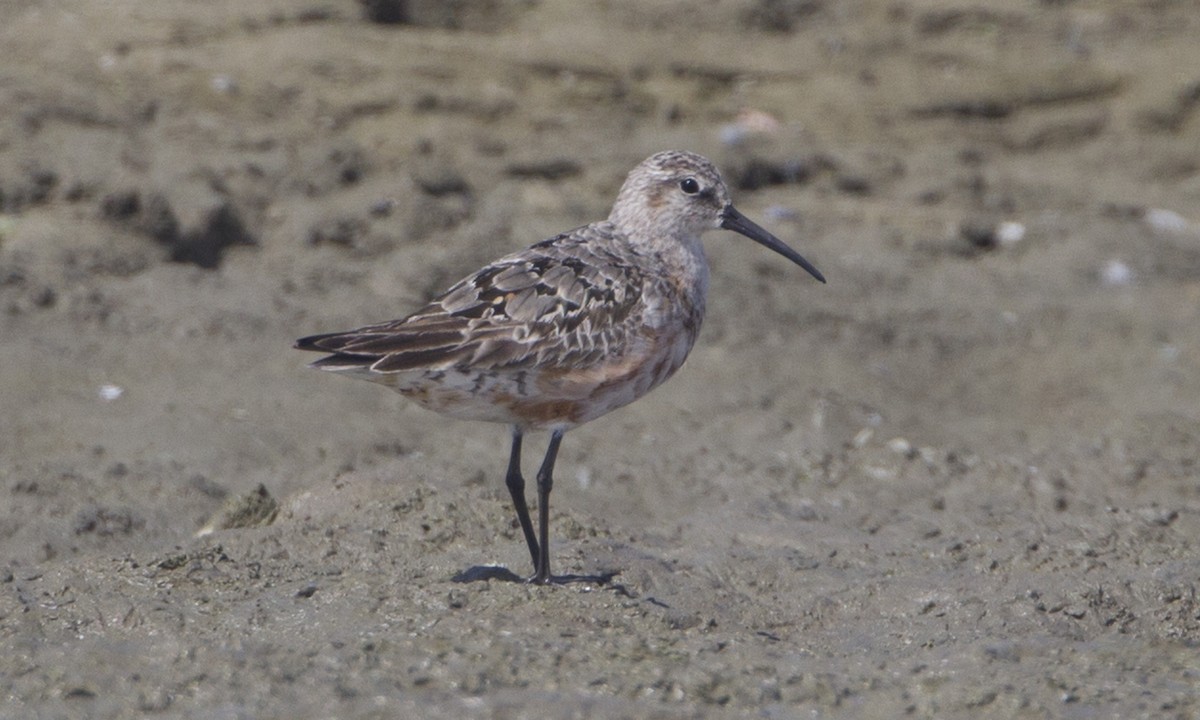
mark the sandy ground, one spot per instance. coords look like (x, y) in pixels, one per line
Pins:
(960, 480)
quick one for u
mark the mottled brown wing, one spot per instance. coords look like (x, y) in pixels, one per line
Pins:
(567, 301)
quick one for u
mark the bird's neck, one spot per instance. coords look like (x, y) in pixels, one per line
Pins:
(683, 261)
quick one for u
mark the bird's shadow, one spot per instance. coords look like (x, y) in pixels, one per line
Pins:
(479, 573)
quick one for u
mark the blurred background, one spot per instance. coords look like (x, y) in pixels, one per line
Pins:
(1000, 379)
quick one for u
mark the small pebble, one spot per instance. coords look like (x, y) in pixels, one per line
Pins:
(1166, 220)
(748, 122)
(1010, 233)
(224, 84)
(1116, 273)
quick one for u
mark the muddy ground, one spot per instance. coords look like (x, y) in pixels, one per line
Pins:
(960, 480)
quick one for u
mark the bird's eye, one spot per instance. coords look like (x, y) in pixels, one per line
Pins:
(689, 186)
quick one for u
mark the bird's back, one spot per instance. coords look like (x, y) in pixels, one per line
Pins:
(552, 336)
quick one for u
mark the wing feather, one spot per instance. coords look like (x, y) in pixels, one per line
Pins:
(570, 300)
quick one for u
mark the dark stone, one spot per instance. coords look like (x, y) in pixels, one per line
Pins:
(757, 172)
(120, 205)
(158, 220)
(780, 16)
(553, 169)
(441, 180)
(386, 12)
(203, 245)
(979, 235)
(474, 15)
(342, 231)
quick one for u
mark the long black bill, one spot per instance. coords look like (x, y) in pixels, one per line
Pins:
(733, 220)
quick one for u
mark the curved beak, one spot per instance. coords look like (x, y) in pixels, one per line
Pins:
(733, 220)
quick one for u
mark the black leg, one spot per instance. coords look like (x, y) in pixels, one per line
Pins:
(516, 488)
(545, 481)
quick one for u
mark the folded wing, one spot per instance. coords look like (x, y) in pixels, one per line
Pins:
(567, 301)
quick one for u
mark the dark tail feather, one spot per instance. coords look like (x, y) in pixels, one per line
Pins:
(313, 342)
(338, 361)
